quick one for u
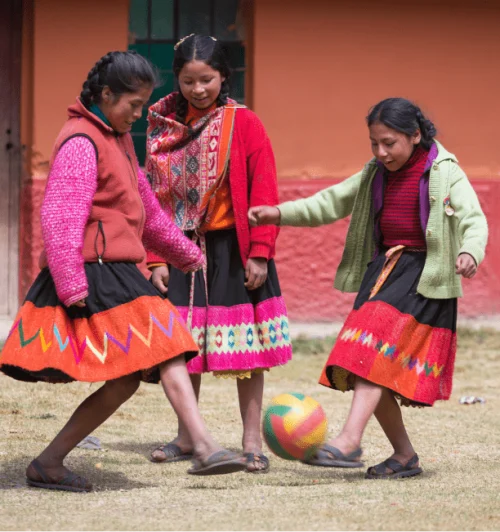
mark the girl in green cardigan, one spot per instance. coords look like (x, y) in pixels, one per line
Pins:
(416, 227)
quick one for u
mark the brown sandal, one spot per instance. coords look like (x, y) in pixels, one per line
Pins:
(71, 482)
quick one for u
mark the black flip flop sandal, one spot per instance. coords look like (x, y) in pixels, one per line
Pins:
(172, 452)
(329, 456)
(410, 469)
(219, 463)
(71, 482)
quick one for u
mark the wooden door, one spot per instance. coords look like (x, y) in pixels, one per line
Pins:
(10, 154)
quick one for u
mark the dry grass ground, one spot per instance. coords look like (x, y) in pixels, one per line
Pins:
(459, 447)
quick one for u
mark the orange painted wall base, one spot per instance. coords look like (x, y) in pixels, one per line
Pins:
(308, 258)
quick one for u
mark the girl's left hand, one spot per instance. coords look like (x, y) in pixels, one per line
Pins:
(255, 273)
(466, 266)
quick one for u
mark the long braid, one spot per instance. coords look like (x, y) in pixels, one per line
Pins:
(427, 129)
(181, 108)
(93, 86)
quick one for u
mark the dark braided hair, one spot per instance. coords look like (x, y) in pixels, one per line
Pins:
(403, 116)
(121, 72)
(211, 52)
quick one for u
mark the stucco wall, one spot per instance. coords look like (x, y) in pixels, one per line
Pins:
(320, 65)
(61, 42)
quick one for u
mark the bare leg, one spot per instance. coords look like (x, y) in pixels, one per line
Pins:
(91, 413)
(182, 440)
(388, 414)
(250, 392)
(364, 402)
(179, 390)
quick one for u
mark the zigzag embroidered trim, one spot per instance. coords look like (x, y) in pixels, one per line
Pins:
(79, 349)
(406, 360)
(244, 337)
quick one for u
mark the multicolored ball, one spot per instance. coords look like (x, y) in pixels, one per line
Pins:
(294, 426)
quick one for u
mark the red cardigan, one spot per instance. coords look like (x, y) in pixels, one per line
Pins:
(253, 181)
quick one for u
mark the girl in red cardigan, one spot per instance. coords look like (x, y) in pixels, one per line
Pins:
(209, 160)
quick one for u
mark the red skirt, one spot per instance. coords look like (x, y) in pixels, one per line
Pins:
(398, 339)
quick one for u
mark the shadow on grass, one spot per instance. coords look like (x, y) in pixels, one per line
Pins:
(143, 448)
(350, 475)
(13, 476)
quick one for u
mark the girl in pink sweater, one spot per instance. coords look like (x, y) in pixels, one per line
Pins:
(91, 315)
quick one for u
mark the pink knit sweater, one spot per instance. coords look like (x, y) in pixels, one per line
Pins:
(72, 183)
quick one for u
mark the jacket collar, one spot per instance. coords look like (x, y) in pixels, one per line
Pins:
(443, 154)
(78, 110)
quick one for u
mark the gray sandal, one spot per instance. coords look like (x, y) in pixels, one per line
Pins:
(219, 463)
(329, 456)
(172, 452)
(260, 458)
(398, 470)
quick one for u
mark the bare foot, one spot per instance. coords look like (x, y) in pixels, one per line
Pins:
(256, 462)
(252, 451)
(344, 444)
(205, 450)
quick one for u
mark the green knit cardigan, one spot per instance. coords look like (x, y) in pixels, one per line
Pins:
(466, 231)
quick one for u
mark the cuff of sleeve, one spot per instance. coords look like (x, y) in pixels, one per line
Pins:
(152, 265)
(287, 212)
(476, 252)
(262, 251)
(198, 265)
(73, 299)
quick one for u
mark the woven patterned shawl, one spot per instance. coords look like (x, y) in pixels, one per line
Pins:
(187, 165)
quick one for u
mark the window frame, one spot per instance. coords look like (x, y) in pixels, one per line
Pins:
(149, 41)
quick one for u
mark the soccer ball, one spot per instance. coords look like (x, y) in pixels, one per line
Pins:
(294, 426)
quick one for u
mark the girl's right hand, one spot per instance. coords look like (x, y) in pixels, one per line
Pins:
(160, 278)
(79, 304)
(264, 215)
